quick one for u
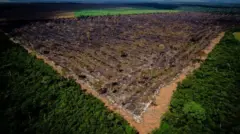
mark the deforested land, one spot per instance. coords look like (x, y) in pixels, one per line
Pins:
(125, 58)
(124, 55)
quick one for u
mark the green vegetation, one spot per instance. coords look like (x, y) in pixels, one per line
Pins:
(119, 11)
(237, 35)
(208, 100)
(35, 99)
(147, 10)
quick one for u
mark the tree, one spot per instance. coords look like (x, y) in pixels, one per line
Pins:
(195, 111)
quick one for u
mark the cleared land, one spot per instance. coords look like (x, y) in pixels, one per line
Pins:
(125, 58)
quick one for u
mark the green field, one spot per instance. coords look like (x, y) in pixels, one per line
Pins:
(237, 35)
(119, 11)
(208, 100)
(35, 99)
(147, 10)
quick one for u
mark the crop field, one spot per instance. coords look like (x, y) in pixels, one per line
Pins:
(126, 59)
(120, 11)
(148, 10)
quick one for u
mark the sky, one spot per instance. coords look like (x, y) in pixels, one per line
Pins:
(100, 1)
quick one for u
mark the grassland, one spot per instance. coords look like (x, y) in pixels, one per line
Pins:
(237, 35)
(148, 10)
(35, 99)
(208, 100)
(120, 11)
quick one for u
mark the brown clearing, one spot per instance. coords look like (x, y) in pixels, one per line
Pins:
(126, 62)
(151, 119)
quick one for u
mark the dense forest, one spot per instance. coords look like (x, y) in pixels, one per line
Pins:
(208, 100)
(35, 99)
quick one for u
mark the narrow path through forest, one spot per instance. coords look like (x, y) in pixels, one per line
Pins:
(151, 119)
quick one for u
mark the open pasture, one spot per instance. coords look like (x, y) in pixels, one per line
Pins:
(127, 58)
(120, 11)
